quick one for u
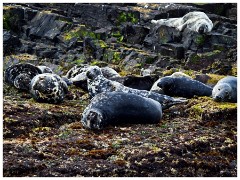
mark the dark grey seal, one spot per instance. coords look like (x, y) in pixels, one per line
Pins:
(225, 90)
(97, 83)
(112, 108)
(48, 88)
(183, 87)
(20, 75)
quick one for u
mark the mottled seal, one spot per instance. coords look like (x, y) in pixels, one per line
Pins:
(195, 21)
(49, 88)
(77, 75)
(45, 69)
(183, 87)
(225, 90)
(20, 75)
(112, 108)
(157, 89)
(97, 83)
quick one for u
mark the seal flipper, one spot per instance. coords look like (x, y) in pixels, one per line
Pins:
(166, 101)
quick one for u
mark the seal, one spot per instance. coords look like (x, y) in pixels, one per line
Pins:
(97, 83)
(195, 21)
(130, 108)
(157, 89)
(49, 88)
(109, 72)
(45, 69)
(77, 75)
(183, 87)
(20, 75)
(225, 90)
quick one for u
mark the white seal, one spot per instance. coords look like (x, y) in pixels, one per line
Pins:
(195, 21)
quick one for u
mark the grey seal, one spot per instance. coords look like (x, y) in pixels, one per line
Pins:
(49, 88)
(113, 108)
(195, 21)
(183, 87)
(225, 90)
(157, 89)
(97, 83)
(20, 75)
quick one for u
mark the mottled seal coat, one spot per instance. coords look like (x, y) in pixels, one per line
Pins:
(112, 108)
(97, 83)
(157, 89)
(183, 87)
(49, 88)
(225, 90)
(45, 69)
(77, 75)
(20, 75)
(195, 21)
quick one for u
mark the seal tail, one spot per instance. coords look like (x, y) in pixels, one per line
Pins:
(175, 101)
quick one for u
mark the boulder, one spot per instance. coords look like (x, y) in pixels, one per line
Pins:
(10, 43)
(46, 25)
(171, 49)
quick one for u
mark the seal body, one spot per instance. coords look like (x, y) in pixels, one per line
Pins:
(195, 21)
(20, 75)
(49, 88)
(225, 90)
(97, 83)
(77, 75)
(157, 89)
(112, 108)
(183, 87)
(45, 69)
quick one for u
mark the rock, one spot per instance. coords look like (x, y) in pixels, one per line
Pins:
(13, 18)
(228, 41)
(161, 34)
(93, 49)
(215, 8)
(200, 61)
(171, 49)
(45, 51)
(11, 43)
(46, 25)
(134, 34)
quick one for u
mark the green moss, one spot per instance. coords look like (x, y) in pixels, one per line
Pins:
(169, 72)
(127, 17)
(79, 61)
(234, 71)
(102, 44)
(116, 57)
(79, 32)
(200, 39)
(98, 63)
(214, 78)
(204, 106)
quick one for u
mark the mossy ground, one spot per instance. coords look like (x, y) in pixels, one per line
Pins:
(40, 136)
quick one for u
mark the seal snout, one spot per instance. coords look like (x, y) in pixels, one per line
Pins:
(94, 120)
(218, 98)
(201, 30)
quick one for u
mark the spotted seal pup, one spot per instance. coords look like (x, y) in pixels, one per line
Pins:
(20, 75)
(97, 83)
(49, 88)
(130, 108)
(225, 90)
(195, 21)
